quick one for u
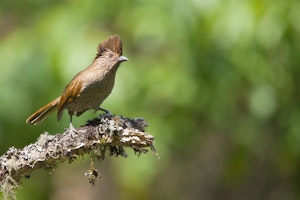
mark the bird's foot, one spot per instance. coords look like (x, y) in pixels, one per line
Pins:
(72, 131)
(107, 112)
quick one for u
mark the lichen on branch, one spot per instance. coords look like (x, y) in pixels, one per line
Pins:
(107, 133)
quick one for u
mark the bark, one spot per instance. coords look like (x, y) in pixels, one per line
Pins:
(107, 134)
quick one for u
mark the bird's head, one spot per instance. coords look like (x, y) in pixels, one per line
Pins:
(111, 50)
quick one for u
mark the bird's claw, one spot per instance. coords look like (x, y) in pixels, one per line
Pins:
(72, 130)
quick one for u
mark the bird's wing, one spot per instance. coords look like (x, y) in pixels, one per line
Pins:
(71, 91)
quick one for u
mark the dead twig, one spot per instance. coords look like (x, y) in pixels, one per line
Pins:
(107, 133)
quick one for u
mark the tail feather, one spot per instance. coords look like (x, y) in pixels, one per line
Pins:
(40, 115)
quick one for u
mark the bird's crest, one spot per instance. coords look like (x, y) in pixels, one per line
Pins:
(113, 43)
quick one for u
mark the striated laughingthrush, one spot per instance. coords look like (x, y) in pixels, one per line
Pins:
(90, 87)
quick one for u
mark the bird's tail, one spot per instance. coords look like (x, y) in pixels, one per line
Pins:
(40, 115)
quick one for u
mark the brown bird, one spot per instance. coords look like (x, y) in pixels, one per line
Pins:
(89, 88)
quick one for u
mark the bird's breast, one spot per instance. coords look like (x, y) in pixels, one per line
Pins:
(93, 94)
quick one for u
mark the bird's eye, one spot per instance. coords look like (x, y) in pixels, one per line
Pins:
(110, 55)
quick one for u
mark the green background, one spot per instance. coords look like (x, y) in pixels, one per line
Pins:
(216, 80)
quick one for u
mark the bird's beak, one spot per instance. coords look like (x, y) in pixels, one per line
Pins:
(122, 59)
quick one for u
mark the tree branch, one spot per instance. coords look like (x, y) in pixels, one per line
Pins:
(106, 133)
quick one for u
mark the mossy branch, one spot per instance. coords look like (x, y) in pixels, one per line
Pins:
(107, 133)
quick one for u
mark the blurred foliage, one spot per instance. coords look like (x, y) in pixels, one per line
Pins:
(216, 80)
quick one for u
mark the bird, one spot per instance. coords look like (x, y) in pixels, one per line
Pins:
(89, 88)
